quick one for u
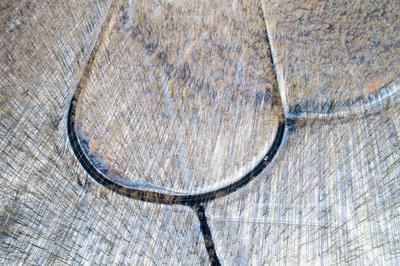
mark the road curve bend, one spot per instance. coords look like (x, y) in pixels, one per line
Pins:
(156, 196)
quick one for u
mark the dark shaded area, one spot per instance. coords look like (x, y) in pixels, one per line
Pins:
(97, 162)
(205, 230)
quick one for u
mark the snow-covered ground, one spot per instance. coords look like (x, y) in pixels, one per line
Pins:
(179, 95)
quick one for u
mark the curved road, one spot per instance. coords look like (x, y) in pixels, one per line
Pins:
(160, 197)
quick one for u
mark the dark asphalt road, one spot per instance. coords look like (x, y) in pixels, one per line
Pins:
(159, 197)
